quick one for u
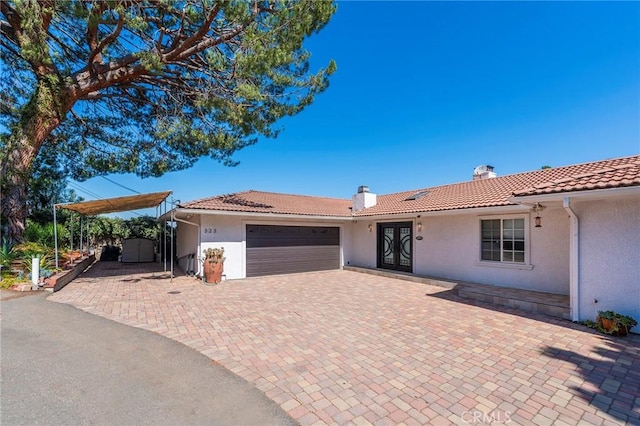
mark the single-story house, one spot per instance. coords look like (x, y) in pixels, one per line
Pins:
(572, 230)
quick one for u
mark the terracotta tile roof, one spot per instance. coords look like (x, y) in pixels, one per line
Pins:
(616, 173)
(271, 202)
(613, 173)
(496, 191)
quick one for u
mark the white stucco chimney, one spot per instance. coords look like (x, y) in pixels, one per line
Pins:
(364, 199)
(483, 172)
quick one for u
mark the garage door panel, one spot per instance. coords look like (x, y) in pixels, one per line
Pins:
(285, 260)
(279, 249)
(287, 236)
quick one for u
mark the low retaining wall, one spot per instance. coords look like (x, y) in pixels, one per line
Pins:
(61, 279)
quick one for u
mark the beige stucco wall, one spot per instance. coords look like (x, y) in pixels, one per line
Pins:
(226, 232)
(362, 249)
(230, 232)
(186, 241)
(450, 248)
(609, 253)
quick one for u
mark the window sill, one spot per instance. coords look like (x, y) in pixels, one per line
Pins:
(505, 265)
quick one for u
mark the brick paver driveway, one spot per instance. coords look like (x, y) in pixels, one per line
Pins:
(344, 347)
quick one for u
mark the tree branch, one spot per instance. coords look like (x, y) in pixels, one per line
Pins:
(92, 31)
(6, 30)
(84, 82)
(48, 6)
(207, 42)
(11, 27)
(96, 53)
(189, 41)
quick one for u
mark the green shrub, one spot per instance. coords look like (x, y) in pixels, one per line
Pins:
(620, 323)
(8, 254)
(35, 232)
(30, 250)
(9, 279)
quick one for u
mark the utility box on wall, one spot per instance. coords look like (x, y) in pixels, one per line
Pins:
(136, 250)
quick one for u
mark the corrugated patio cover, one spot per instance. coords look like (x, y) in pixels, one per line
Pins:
(118, 204)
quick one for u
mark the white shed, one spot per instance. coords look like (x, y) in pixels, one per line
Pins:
(137, 250)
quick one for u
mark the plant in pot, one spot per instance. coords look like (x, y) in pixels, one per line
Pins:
(213, 264)
(613, 323)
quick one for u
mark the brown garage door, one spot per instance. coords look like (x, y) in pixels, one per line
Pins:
(273, 249)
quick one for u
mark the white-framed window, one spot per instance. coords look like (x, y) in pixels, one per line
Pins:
(503, 240)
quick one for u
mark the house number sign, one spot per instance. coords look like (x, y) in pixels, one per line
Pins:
(210, 230)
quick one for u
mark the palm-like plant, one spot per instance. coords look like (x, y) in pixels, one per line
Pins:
(8, 254)
(29, 250)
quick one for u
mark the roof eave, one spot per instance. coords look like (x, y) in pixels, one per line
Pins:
(587, 194)
(262, 215)
(510, 208)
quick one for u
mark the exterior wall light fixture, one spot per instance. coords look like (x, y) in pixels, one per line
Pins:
(370, 227)
(537, 208)
(419, 226)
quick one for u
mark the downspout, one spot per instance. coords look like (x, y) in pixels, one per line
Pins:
(199, 238)
(574, 260)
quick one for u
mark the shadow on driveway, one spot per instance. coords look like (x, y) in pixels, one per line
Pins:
(612, 380)
(611, 377)
(63, 366)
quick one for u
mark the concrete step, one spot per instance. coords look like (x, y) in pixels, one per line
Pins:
(554, 305)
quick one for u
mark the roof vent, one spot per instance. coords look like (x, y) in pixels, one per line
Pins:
(483, 172)
(362, 189)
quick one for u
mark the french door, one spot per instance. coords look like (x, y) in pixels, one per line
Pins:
(395, 245)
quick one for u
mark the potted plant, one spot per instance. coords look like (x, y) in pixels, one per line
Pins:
(213, 264)
(614, 323)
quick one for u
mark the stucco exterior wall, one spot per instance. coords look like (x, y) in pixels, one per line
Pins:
(609, 257)
(186, 241)
(362, 249)
(230, 232)
(226, 232)
(450, 248)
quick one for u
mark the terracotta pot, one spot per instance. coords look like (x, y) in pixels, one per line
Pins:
(609, 325)
(213, 271)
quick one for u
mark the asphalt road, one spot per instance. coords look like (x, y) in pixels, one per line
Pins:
(64, 366)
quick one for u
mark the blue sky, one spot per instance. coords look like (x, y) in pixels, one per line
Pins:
(426, 91)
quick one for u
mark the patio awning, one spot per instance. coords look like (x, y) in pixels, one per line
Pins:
(117, 204)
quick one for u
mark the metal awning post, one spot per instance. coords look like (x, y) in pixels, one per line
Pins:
(172, 223)
(71, 235)
(81, 229)
(88, 247)
(164, 236)
(157, 249)
(55, 234)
